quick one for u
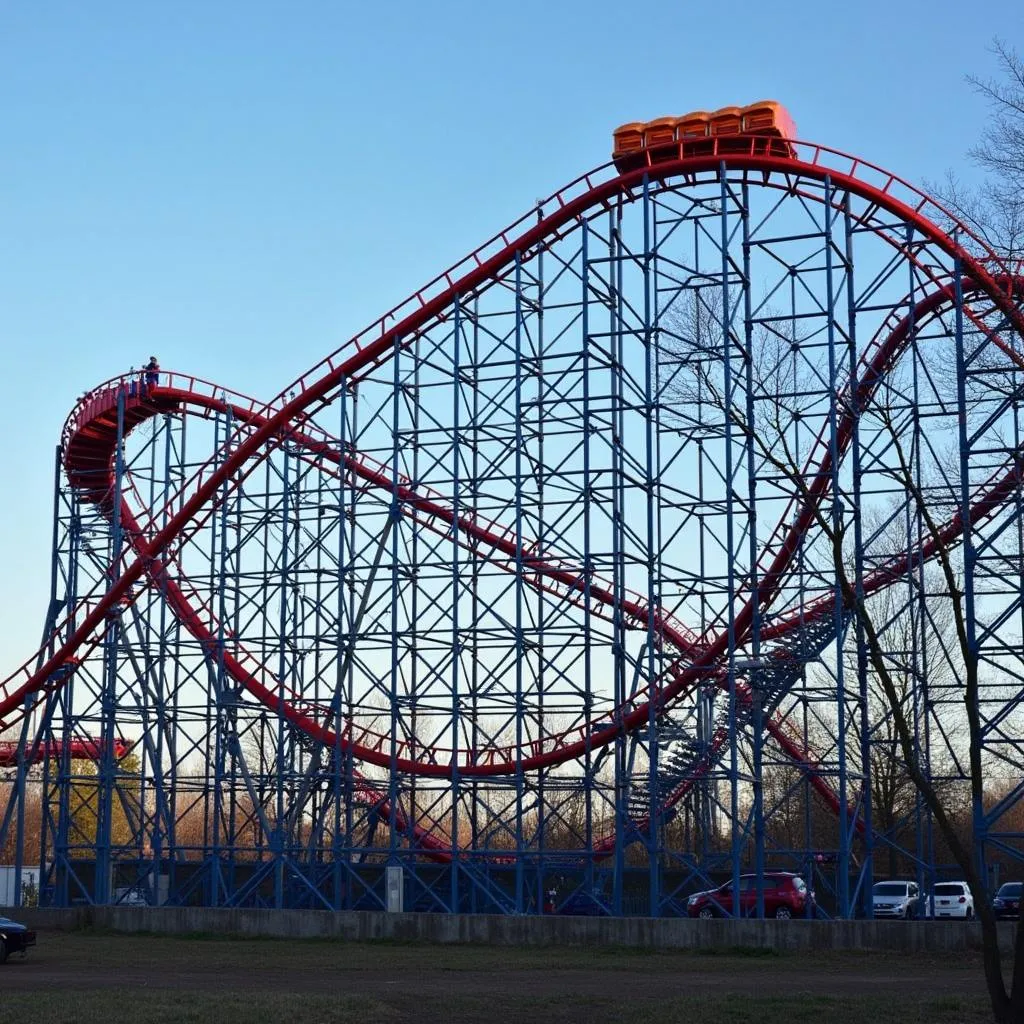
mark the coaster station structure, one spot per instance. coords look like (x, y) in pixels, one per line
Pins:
(532, 584)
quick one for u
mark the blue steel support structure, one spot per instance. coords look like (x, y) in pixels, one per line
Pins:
(433, 620)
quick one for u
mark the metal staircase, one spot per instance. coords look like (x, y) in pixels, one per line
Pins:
(683, 756)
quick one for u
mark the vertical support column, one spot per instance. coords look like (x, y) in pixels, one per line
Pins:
(476, 562)
(169, 681)
(344, 762)
(340, 775)
(843, 862)
(453, 905)
(736, 849)
(864, 718)
(756, 694)
(285, 681)
(915, 610)
(803, 575)
(394, 517)
(537, 365)
(214, 768)
(413, 549)
(653, 555)
(225, 738)
(108, 702)
(707, 788)
(979, 823)
(210, 767)
(617, 312)
(348, 676)
(587, 567)
(65, 702)
(520, 781)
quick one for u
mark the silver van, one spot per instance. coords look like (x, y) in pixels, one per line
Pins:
(895, 899)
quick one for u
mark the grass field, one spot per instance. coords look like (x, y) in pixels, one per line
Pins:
(87, 977)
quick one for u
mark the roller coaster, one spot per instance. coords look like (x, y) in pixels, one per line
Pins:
(545, 580)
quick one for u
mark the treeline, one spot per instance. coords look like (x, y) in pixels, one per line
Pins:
(798, 824)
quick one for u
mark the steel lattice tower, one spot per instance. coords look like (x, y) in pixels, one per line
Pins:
(533, 584)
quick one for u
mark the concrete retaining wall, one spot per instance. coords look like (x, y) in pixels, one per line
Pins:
(495, 930)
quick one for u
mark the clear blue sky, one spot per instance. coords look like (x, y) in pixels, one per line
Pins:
(239, 186)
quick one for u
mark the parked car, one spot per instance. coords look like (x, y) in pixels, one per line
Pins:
(785, 895)
(950, 899)
(14, 938)
(580, 904)
(1006, 902)
(133, 896)
(895, 899)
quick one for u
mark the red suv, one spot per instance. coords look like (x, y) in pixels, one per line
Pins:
(785, 896)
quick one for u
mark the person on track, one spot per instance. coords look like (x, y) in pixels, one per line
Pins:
(152, 373)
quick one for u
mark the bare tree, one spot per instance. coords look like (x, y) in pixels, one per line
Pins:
(995, 207)
(918, 634)
(783, 387)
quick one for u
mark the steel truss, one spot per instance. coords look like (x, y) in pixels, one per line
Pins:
(534, 587)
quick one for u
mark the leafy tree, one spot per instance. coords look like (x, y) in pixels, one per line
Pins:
(84, 801)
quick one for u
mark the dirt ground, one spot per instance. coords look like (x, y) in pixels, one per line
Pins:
(85, 976)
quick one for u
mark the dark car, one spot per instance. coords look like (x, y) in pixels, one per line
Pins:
(1006, 903)
(14, 938)
(785, 895)
(579, 904)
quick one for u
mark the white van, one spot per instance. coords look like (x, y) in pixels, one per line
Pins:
(951, 899)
